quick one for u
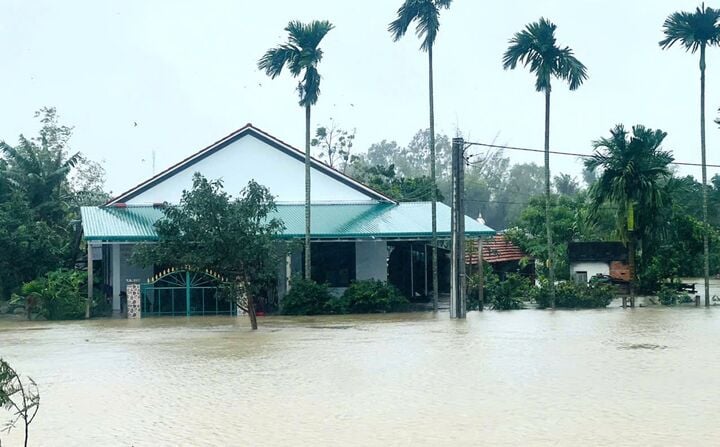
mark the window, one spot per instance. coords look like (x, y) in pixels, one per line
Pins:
(333, 263)
(581, 277)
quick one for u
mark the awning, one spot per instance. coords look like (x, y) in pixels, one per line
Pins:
(407, 220)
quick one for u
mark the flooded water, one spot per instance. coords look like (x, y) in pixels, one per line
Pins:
(610, 377)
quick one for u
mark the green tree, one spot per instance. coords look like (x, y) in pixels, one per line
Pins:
(232, 236)
(566, 185)
(696, 31)
(426, 14)
(535, 47)
(301, 55)
(335, 145)
(42, 185)
(633, 169)
(403, 189)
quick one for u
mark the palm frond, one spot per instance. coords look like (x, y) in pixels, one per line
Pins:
(535, 47)
(427, 15)
(275, 59)
(692, 30)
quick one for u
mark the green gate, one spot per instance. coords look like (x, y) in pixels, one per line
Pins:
(185, 292)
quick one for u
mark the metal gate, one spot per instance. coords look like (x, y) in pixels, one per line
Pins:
(185, 292)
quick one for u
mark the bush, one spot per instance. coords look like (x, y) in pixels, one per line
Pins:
(57, 296)
(370, 296)
(668, 296)
(570, 295)
(306, 297)
(509, 294)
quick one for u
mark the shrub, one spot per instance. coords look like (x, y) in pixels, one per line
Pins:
(372, 296)
(306, 297)
(509, 294)
(570, 295)
(668, 296)
(490, 281)
(57, 296)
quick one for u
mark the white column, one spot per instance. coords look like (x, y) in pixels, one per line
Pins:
(288, 271)
(115, 255)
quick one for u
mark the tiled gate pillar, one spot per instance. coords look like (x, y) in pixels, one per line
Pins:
(133, 301)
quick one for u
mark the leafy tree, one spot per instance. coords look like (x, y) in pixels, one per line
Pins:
(335, 145)
(696, 31)
(403, 189)
(566, 185)
(301, 55)
(210, 230)
(633, 168)
(522, 182)
(42, 185)
(426, 14)
(21, 399)
(411, 160)
(535, 47)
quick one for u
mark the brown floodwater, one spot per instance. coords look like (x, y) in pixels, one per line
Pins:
(641, 377)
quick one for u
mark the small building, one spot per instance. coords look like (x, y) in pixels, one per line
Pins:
(503, 256)
(357, 233)
(590, 259)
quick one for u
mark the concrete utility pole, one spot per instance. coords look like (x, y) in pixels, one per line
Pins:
(458, 308)
(481, 274)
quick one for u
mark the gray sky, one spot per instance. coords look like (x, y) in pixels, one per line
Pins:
(185, 71)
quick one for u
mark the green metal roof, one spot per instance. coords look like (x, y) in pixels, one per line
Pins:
(407, 220)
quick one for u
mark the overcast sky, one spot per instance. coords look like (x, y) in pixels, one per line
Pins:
(186, 73)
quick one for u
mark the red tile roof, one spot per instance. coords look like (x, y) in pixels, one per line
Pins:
(495, 249)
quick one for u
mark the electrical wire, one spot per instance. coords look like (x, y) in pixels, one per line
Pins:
(571, 154)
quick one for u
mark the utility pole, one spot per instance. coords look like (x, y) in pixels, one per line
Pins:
(481, 275)
(457, 281)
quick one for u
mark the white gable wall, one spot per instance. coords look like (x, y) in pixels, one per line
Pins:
(250, 158)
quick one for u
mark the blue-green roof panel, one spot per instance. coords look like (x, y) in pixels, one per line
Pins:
(407, 220)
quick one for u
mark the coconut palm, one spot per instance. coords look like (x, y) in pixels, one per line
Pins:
(535, 47)
(632, 171)
(426, 14)
(301, 55)
(696, 31)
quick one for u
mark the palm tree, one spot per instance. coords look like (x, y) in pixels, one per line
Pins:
(633, 170)
(426, 14)
(696, 31)
(535, 47)
(301, 54)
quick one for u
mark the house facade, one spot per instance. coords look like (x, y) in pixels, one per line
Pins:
(357, 233)
(590, 259)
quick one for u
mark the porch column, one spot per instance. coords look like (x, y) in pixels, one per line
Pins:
(115, 254)
(88, 304)
(288, 271)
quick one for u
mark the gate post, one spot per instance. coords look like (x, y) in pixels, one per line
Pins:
(133, 301)
(187, 293)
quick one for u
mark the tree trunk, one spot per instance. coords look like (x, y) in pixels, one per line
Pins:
(307, 194)
(433, 182)
(550, 260)
(251, 312)
(706, 248)
(631, 264)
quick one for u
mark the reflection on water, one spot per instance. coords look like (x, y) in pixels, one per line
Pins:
(611, 377)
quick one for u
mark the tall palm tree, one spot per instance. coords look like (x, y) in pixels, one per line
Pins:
(301, 55)
(633, 170)
(696, 31)
(426, 14)
(535, 47)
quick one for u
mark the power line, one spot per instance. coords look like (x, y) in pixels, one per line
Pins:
(571, 154)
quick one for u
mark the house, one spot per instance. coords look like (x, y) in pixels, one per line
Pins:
(357, 233)
(503, 256)
(589, 259)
